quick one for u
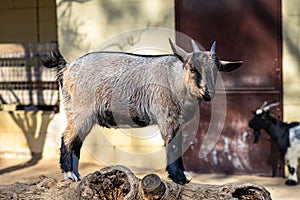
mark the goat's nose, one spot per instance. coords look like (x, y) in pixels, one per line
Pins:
(208, 96)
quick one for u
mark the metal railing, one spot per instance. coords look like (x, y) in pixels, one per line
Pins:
(24, 82)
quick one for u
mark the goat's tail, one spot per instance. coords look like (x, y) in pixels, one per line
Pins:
(55, 60)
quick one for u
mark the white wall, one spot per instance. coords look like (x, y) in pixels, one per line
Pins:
(291, 59)
(84, 26)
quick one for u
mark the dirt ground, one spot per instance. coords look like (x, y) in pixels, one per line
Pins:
(14, 169)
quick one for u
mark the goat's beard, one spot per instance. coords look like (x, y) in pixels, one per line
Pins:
(198, 92)
(256, 135)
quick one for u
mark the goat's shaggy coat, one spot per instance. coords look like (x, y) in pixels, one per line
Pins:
(121, 89)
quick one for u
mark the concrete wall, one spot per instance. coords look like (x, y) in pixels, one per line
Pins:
(291, 59)
(84, 25)
(24, 132)
(27, 21)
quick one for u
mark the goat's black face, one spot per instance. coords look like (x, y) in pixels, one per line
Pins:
(202, 69)
(204, 66)
(259, 121)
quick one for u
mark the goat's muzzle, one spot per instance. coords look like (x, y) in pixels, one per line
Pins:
(256, 136)
(208, 96)
(256, 131)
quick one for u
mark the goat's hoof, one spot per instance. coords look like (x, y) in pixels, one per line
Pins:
(188, 176)
(180, 181)
(291, 182)
(180, 178)
(72, 176)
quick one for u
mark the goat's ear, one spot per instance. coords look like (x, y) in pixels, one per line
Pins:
(227, 66)
(182, 54)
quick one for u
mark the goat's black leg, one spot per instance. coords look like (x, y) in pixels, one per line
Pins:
(293, 179)
(65, 157)
(76, 131)
(175, 165)
(69, 159)
(77, 144)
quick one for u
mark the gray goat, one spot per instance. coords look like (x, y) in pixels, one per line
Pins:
(116, 89)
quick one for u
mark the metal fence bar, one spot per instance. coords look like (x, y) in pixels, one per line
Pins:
(23, 79)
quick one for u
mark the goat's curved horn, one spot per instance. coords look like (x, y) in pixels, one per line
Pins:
(178, 51)
(268, 107)
(263, 105)
(213, 47)
(196, 49)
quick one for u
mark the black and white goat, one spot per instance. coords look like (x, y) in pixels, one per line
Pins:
(117, 89)
(286, 136)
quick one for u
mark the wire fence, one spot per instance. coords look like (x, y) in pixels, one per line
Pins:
(23, 79)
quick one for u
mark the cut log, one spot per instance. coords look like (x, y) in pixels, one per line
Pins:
(152, 186)
(118, 182)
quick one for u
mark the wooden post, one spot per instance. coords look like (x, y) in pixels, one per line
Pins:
(153, 187)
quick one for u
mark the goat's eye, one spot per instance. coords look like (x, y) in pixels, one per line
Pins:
(192, 70)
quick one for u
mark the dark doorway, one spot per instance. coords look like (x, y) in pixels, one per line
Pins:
(248, 30)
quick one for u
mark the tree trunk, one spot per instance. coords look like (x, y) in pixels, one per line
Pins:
(118, 182)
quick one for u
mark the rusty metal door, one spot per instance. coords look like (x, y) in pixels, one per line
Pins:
(248, 30)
